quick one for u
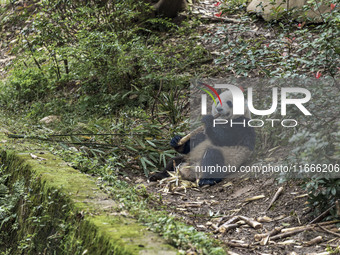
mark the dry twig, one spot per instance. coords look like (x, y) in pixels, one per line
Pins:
(328, 231)
(241, 245)
(322, 215)
(250, 222)
(315, 240)
(290, 233)
(224, 228)
(277, 194)
(273, 232)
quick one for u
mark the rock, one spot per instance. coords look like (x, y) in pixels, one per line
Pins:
(50, 119)
(266, 8)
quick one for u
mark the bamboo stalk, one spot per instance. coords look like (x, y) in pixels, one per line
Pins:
(194, 132)
(188, 136)
(241, 245)
(315, 240)
(250, 222)
(328, 231)
(290, 233)
(273, 232)
(225, 227)
(322, 215)
(277, 194)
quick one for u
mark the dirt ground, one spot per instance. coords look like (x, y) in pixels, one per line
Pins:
(207, 208)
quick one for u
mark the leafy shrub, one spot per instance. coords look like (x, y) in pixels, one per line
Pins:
(317, 142)
(323, 194)
(292, 47)
(109, 50)
(26, 86)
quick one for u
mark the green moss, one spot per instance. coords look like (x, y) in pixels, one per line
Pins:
(93, 220)
(64, 211)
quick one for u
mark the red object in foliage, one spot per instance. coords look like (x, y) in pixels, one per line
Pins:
(318, 74)
(217, 4)
(218, 14)
(332, 6)
(299, 25)
(267, 44)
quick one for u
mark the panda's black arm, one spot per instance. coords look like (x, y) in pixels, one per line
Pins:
(184, 148)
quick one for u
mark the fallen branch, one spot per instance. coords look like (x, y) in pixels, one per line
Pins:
(224, 228)
(231, 220)
(277, 194)
(36, 157)
(329, 245)
(273, 232)
(285, 230)
(222, 220)
(226, 20)
(249, 199)
(265, 240)
(322, 215)
(291, 233)
(232, 253)
(250, 222)
(315, 240)
(264, 219)
(229, 224)
(328, 222)
(311, 225)
(328, 231)
(301, 196)
(242, 245)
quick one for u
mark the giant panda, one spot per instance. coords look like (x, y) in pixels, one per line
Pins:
(222, 145)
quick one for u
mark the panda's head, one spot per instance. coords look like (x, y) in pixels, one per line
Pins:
(226, 109)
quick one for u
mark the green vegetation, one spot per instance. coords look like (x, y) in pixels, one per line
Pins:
(99, 56)
(110, 67)
(52, 208)
(55, 209)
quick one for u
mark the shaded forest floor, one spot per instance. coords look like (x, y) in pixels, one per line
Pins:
(208, 208)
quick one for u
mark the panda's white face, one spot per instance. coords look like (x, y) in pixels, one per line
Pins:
(226, 109)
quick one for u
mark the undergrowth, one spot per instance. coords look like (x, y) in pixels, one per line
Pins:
(176, 233)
